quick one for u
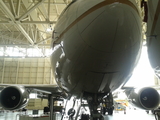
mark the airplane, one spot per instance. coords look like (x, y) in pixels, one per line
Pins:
(153, 33)
(96, 46)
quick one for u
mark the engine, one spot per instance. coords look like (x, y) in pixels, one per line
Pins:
(12, 97)
(146, 98)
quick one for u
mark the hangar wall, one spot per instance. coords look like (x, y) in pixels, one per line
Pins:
(29, 71)
(35, 104)
(26, 71)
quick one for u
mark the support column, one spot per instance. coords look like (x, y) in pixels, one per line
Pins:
(17, 71)
(51, 106)
(2, 80)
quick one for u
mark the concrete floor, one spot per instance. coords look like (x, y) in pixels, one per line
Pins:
(7, 115)
(130, 115)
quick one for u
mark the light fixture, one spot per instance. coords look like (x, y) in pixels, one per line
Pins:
(49, 28)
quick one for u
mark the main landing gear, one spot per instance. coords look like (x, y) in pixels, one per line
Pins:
(107, 105)
(94, 101)
(97, 102)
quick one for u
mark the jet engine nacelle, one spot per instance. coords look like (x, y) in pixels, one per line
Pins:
(145, 98)
(12, 98)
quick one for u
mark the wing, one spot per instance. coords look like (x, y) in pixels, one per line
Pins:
(14, 97)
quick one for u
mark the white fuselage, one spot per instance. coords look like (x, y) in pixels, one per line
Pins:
(153, 35)
(96, 45)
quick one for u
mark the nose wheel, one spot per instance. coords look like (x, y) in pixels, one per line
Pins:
(71, 112)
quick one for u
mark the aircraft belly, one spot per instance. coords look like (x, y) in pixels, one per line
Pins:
(102, 72)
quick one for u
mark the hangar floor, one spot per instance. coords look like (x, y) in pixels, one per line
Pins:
(130, 115)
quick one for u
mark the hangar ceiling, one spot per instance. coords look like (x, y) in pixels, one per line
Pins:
(26, 26)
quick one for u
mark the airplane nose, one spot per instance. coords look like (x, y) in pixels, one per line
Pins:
(113, 29)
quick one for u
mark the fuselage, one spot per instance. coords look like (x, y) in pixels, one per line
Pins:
(153, 35)
(96, 45)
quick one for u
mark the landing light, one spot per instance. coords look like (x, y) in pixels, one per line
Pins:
(49, 29)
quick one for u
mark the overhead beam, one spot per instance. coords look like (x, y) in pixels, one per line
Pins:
(25, 34)
(44, 12)
(44, 40)
(4, 22)
(28, 22)
(23, 56)
(17, 25)
(11, 16)
(11, 39)
(49, 9)
(23, 45)
(4, 18)
(12, 7)
(2, 32)
(56, 8)
(6, 11)
(52, 3)
(18, 8)
(30, 2)
(30, 10)
(38, 22)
